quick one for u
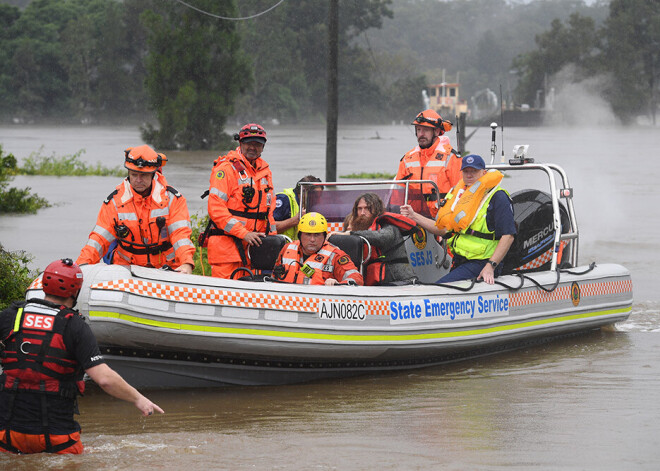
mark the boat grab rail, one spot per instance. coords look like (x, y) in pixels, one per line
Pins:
(566, 192)
(549, 169)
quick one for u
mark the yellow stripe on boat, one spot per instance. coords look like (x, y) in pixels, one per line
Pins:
(352, 338)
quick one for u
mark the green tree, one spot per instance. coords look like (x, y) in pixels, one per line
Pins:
(196, 69)
(631, 53)
(288, 49)
(574, 43)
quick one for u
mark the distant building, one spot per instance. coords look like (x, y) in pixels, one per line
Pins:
(445, 99)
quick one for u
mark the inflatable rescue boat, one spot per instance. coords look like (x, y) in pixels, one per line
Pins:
(165, 329)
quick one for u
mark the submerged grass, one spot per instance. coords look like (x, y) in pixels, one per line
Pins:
(370, 176)
(67, 165)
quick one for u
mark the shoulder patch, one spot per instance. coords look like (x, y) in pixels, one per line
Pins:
(343, 260)
(110, 196)
(220, 175)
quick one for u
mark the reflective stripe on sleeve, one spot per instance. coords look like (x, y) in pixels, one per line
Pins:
(220, 194)
(230, 225)
(104, 233)
(181, 243)
(178, 225)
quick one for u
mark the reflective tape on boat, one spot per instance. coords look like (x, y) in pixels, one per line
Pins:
(224, 297)
(524, 298)
(362, 337)
(285, 302)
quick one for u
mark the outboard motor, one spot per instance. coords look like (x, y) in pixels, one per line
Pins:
(532, 248)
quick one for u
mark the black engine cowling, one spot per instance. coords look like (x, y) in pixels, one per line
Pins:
(532, 248)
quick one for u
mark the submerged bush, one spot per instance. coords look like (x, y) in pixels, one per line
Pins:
(14, 200)
(67, 165)
(15, 276)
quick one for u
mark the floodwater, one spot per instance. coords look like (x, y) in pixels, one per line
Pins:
(589, 402)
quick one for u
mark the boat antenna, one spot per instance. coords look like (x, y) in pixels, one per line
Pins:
(493, 146)
(502, 124)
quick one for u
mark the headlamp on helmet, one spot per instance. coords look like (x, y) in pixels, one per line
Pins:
(251, 133)
(143, 159)
(430, 118)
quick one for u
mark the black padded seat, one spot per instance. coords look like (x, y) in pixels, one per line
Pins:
(264, 256)
(353, 246)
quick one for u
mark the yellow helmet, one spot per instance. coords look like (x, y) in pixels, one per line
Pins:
(313, 223)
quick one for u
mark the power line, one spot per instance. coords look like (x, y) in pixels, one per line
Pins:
(227, 18)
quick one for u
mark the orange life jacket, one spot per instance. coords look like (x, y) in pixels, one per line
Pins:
(458, 211)
(377, 263)
(329, 262)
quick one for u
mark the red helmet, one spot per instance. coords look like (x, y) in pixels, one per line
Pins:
(62, 278)
(431, 119)
(251, 132)
(144, 159)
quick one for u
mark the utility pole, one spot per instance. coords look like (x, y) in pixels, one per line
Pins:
(333, 101)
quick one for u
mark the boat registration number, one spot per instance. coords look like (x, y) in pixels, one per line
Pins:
(350, 311)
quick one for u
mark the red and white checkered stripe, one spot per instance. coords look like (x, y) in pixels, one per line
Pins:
(564, 292)
(232, 298)
(542, 259)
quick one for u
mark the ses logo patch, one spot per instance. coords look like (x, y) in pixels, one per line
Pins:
(38, 321)
(220, 175)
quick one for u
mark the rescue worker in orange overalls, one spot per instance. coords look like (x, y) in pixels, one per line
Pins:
(146, 217)
(312, 260)
(241, 202)
(46, 347)
(432, 159)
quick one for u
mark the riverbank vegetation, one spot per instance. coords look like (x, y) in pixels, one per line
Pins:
(15, 276)
(16, 200)
(66, 165)
(369, 176)
(188, 73)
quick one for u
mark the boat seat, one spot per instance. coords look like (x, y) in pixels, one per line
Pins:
(264, 256)
(354, 246)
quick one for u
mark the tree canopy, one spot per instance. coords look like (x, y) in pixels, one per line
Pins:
(625, 51)
(196, 69)
(187, 74)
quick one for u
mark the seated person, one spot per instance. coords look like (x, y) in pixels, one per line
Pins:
(389, 260)
(480, 223)
(312, 260)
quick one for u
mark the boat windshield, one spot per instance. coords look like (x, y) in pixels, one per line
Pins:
(335, 200)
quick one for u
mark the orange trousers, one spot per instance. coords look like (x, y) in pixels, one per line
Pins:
(28, 443)
(224, 270)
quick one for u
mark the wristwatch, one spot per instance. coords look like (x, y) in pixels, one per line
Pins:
(493, 264)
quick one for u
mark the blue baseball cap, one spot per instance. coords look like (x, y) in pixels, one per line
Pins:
(473, 161)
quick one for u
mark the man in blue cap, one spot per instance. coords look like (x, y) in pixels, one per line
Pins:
(477, 218)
